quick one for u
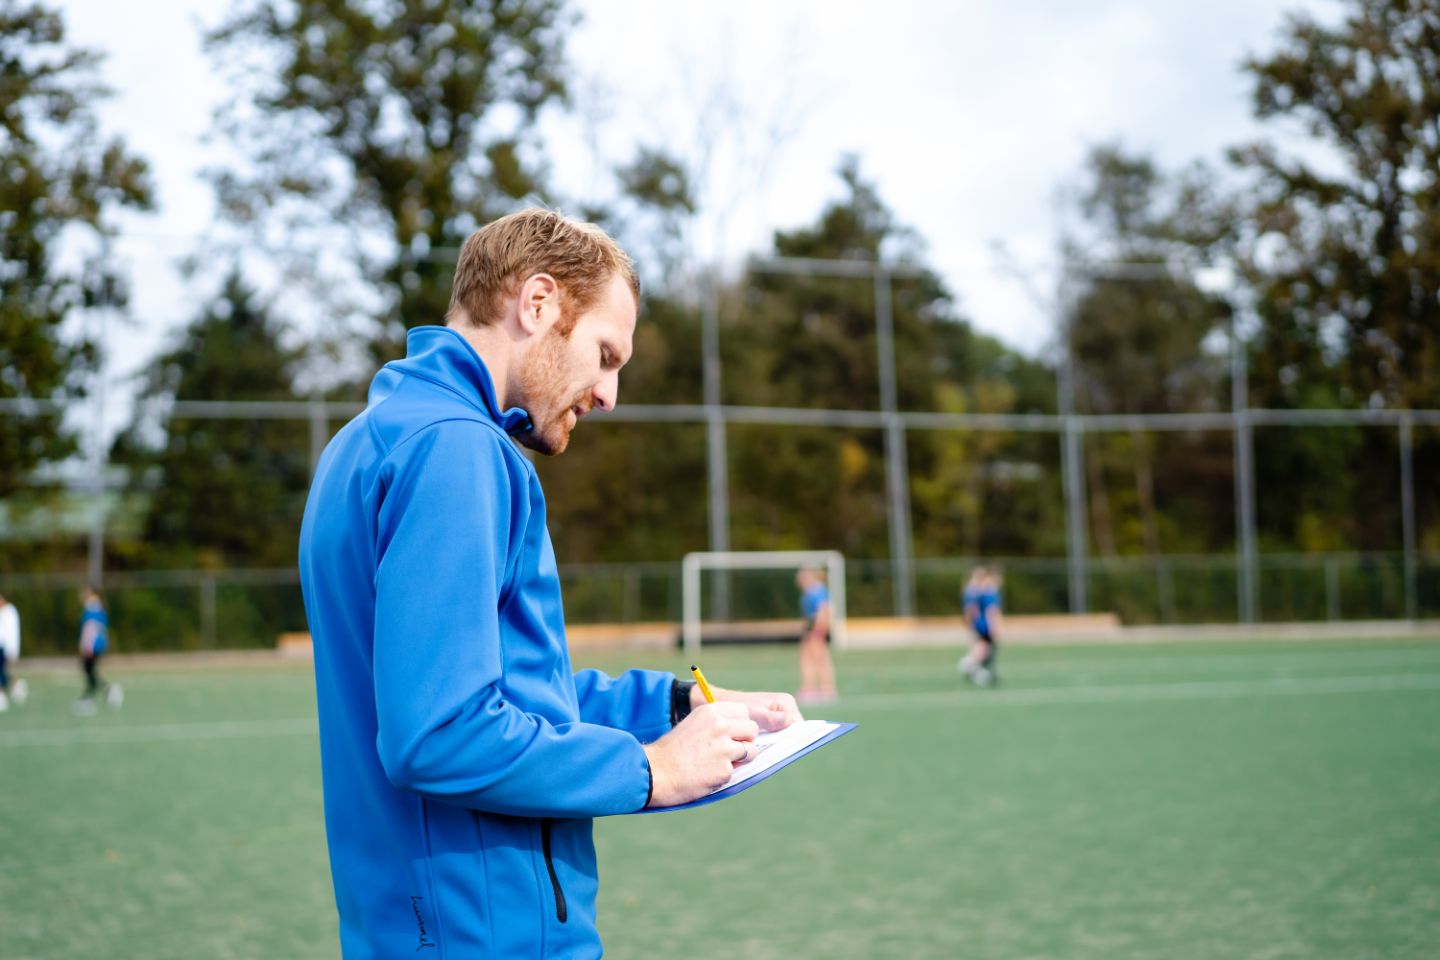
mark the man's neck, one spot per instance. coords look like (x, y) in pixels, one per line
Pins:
(493, 346)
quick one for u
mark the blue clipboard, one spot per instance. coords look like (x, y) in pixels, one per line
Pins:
(744, 785)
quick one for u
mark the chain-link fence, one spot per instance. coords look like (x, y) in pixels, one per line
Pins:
(137, 518)
(236, 609)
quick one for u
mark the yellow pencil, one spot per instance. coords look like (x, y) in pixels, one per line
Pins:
(704, 687)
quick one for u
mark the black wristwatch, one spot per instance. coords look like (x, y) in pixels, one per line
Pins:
(680, 700)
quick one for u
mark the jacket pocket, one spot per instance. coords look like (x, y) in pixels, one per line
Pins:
(560, 910)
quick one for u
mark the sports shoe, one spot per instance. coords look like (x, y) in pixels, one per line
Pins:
(84, 707)
(4, 702)
(115, 696)
(20, 692)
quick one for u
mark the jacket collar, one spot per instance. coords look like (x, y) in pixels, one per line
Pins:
(442, 356)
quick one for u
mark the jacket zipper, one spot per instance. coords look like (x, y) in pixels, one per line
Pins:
(560, 911)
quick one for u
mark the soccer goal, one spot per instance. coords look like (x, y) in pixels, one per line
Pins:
(694, 564)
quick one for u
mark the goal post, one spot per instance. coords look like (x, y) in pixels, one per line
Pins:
(694, 564)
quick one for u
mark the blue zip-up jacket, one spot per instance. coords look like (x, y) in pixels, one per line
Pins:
(462, 759)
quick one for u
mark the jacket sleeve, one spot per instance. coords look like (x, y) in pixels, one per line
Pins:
(637, 701)
(456, 502)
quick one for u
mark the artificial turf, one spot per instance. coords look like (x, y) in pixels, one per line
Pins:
(1219, 800)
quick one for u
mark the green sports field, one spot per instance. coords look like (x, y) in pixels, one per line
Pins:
(1195, 801)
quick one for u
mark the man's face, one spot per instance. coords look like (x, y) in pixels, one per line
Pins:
(565, 377)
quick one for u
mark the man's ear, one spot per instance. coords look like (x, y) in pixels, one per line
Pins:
(538, 306)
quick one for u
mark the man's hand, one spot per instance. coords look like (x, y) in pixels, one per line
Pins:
(770, 711)
(700, 753)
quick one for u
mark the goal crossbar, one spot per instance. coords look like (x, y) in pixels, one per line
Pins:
(696, 563)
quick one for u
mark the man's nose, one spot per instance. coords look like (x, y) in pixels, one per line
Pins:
(607, 392)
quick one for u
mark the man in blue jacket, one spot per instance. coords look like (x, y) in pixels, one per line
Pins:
(462, 757)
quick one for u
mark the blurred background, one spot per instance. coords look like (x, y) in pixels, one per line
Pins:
(1118, 298)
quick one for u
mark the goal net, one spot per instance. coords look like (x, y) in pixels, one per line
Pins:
(695, 564)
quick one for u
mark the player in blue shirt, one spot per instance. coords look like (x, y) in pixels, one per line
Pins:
(981, 598)
(94, 641)
(817, 671)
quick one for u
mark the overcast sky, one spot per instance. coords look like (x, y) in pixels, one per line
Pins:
(969, 117)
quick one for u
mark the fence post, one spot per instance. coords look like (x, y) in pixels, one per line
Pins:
(1332, 588)
(1072, 475)
(1071, 450)
(319, 427)
(207, 610)
(1244, 479)
(1165, 587)
(897, 471)
(1407, 514)
(631, 597)
(717, 461)
(100, 453)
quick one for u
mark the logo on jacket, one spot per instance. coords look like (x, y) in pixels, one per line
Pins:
(425, 940)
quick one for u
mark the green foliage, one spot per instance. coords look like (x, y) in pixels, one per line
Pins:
(1135, 329)
(810, 342)
(985, 494)
(1342, 257)
(59, 176)
(807, 488)
(409, 119)
(1343, 254)
(223, 492)
(628, 492)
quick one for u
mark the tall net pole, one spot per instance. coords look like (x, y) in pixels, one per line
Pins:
(716, 455)
(1247, 593)
(897, 473)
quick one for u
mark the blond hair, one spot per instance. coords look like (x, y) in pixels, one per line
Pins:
(501, 255)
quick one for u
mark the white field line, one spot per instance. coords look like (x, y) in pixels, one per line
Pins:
(157, 732)
(1274, 664)
(1248, 662)
(1119, 693)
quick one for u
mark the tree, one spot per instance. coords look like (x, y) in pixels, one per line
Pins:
(810, 342)
(407, 121)
(1344, 254)
(1138, 322)
(1136, 330)
(789, 341)
(660, 204)
(59, 175)
(222, 492)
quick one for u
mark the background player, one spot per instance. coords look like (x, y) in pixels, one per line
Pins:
(982, 613)
(817, 671)
(9, 653)
(94, 641)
